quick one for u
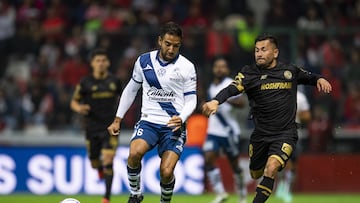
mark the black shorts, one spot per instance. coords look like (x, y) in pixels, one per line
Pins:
(96, 141)
(280, 146)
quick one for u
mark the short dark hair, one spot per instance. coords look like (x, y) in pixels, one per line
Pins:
(266, 36)
(97, 52)
(171, 28)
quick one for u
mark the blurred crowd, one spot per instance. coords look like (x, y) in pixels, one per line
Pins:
(44, 46)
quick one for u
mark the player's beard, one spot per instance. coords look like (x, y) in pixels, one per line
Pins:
(265, 65)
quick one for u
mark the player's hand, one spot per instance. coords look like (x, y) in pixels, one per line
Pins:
(114, 127)
(175, 122)
(84, 109)
(323, 85)
(210, 107)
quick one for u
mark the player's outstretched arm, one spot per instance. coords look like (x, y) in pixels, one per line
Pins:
(323, 85)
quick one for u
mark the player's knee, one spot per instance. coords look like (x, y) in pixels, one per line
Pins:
(107, 158)
(135, 156)
(271, 169)
(166, 173)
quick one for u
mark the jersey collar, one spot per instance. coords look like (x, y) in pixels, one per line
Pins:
(167, 62)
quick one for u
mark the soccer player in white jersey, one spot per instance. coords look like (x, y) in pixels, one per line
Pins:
(223, 133)
(168, 82)
(286, 179)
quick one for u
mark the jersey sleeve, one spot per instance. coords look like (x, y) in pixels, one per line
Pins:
(79, 91)
(306, 77)
(137, 75)
(189, 94)
(190, 82)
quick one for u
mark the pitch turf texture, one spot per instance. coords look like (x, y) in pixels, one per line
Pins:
(179, 198)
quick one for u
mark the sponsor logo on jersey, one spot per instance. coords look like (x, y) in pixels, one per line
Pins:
(276, 85)
(287, 74)
(161, 72)
(263, 77)
(148, 67)
(160, 95)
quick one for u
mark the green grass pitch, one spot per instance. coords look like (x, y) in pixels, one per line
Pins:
(178, 198)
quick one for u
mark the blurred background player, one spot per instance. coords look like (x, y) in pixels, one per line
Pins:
(223, 135)
(96, 97)
(287, 177)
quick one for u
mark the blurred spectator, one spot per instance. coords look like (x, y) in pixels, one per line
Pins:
(74, 68)
(75, 43)
(354, 13)
(320, 130)
(247, 30)
(259, 8)
(352, 106)
(37, 104)
(311, 20)
(333, 67)
(337, 13)
(19, 68)
(51, 53)
(93, 20)
(218, 41)
(7, 31)
(27, 11)
(53, 26)
(352, 69)
(62, 116)
(195, 18)
(333, 57)
(7, 111)
(277, 15)
(112, 22)
(172, 10)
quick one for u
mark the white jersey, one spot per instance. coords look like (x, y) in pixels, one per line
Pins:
(165, 87)
(302, 104)
(223, 123)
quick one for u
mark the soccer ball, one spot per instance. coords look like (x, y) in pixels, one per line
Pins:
(70, 200)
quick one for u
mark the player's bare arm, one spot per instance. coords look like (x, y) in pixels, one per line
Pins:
(323, 85)
(114, 127)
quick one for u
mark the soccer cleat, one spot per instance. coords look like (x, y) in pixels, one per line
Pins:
(135, 198)
(104, 200)
(221, 198)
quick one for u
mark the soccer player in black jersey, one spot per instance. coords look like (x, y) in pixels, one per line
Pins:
(271, 88)
(96, 97)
